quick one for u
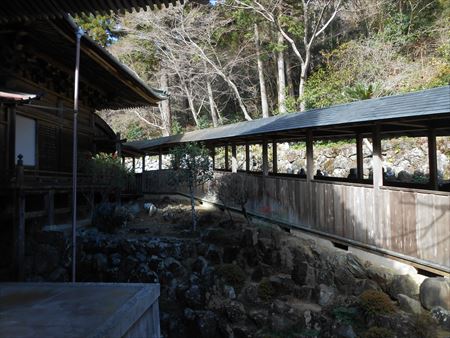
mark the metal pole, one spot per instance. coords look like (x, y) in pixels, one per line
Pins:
(79, 34)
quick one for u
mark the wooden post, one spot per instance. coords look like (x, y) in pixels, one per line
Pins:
(377, 159)
(377, 174)
(160, 160)
(432, 158)
(234, 163)
(213, 155)
(134, 165)
(247, 157)
(359, 157)
(143, 174)
(265, 158)
(19, 231)
(11, 139)
(227, 166)
(309, 156)
(50, 204)
(274, 157)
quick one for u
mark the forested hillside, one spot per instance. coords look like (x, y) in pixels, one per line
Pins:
(239, 60)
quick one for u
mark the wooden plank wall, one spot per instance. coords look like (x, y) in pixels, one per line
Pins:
(412, 222)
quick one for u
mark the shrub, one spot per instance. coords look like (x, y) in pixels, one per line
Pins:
(109, 217)
(378, 332)
(265, 290)
(376, 302)
(232, 274)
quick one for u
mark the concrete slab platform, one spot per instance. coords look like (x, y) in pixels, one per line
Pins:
(78, 310)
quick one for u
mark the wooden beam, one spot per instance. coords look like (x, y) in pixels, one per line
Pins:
(359, 157)
(234, 164)
(309, 156)
(274, 157)
(432, 158)
(265, 158)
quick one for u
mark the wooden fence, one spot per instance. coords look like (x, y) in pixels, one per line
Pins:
(409, 222)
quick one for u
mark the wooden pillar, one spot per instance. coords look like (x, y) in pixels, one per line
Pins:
(274, 157)
(432, 159)
(247, 157)
(143, 164)
(309, 156)
(160, 160)
(134, 165)
(234, 163)
(50, 205)
(19, 229)
(213, 156)
(227, 166)
(11, 138)
(359, 157)
(377, 159)
(265, 158)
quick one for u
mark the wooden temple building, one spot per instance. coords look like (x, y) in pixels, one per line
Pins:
(37, 62)
(409, 221)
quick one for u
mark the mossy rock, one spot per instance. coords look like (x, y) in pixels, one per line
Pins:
(232, 274)
(376, 302)
(265, 290)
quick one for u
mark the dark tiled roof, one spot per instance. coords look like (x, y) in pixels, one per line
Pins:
(427, 102)
(25, 10)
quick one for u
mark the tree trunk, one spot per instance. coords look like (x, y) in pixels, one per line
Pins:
(281, 77)
(290, 81)
(164, 107)
(262, 82)
(303, 75)
(191, 104)
(212, 105)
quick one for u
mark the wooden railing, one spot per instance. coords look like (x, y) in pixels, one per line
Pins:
(410, 222)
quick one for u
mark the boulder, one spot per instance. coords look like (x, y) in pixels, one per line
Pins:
(442, 316)
(150, 208)
(214, 255)
(229, 292)
(206, 324)
(174, 266)
(435, 292)
(327, 294)
(100, 262)
(303, 274)
(194, 297)
(344, 280)
(235, 311)
(408, 304)
(249, 237)
(405, 285)
(115, 259)
(259, 317)
(199, 265)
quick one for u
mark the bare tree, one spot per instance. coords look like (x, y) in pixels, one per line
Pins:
(262, 82)
(315, 18)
